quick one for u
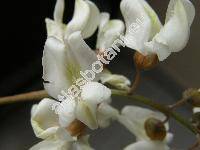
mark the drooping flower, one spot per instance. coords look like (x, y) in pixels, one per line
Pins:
(85, 19)
(146, 34)
(46, 126)
(62, 63)
(134, 119)
(108, 31)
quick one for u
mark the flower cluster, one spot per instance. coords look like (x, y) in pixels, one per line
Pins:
(66, 54)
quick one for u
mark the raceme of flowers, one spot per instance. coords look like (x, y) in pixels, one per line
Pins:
(66, 54)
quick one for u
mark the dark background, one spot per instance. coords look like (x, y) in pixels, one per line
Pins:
(22, 39)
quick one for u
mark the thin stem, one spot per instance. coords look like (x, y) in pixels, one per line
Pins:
(136, 81)
(162, 108)
(38, 95)
(178, 103)
(30, 96)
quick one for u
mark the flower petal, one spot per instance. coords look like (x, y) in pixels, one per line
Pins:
(59, 10)
(118, 81)
(108, 32)
(81, 52)
(43, 119)
(62, 63)
(55, 29)
(175, 33)
(55, 64)
(106, 113)
(155, 21)
(95, 93)
(138, 24)
(134, 117)
(66, 112)
(189, 7)
(85, 19)
(52, 145)
(147, 145)
(196, 109)
(86, 113)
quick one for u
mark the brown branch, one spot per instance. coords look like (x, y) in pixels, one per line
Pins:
(30, 96)
(136, 81)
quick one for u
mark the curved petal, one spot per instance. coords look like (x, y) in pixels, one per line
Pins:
(86, 113)
(138, 24)
(81, 52)
(66, 112)
(59, 10)
(106, 113)
(155, 21)
(55, 29)
(55, 63)
(85, 19)
(52, 145)
(175, 33)
(93, 20)
(136, 117)
(189, 7)
(95, 93)
(43, 119)
(147, 145)
(118, 81)
(108, 32)
(62, 63)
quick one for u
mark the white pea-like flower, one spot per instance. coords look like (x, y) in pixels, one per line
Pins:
(108, 31)
(133, 118)
(146, 34)
(85, 19)
(92, 109)
(62, 63)
(46, 126)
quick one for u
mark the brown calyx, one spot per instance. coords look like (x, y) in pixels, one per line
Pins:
(76, 128)
(145, 62)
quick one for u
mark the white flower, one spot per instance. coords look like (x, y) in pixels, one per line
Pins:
(108, 31)
(196, 110)
(62, 62)
(85, 19)
(116, 80)
(46, 126)
(92, 109)
(133, 118)
(145, 33)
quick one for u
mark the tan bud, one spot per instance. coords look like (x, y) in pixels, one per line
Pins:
(194, 97)
(76, 128)
(145, 62)
(155, 129)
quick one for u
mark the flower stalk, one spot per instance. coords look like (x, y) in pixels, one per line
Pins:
(30, 96)
(38, 95)
(162, 108)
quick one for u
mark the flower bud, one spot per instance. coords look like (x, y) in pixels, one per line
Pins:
(145, 62)
(194, 97)
(155, 129)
